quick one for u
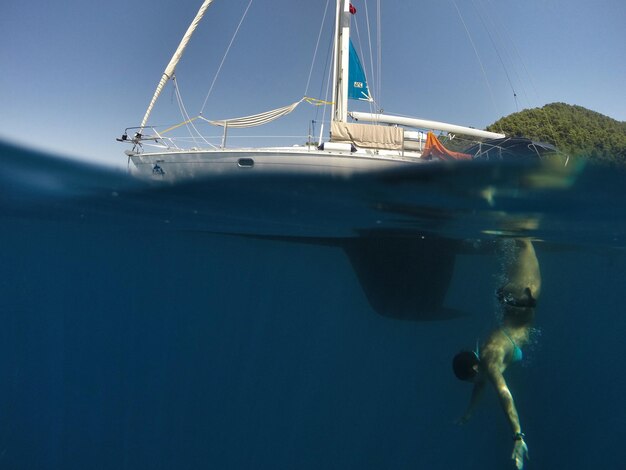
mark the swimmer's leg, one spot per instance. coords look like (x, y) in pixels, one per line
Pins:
(524, 276)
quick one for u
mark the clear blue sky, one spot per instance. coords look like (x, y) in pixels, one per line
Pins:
(76, 73)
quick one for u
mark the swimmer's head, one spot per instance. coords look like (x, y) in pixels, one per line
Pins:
(465, 365)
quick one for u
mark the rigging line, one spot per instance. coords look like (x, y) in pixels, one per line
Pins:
(225, 55)
(183, 111)
(372, 103)
(379, 46)
(329, 55)
(533, 87)
(319, 36)
(189, 121)
(482, 67)
(369, 40)
(367, 78)
(328, 80)
(549, 122)
(521, 61)
(503, 43)
(181, 107)
(374, 83)
(495, 47)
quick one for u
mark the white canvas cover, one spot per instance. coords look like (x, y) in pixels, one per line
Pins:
(368, 135)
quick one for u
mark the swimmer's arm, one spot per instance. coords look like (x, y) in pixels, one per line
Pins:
(520, 449)
(506, 399)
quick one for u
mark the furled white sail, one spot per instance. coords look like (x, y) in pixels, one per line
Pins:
(169, 70)
(256, 119)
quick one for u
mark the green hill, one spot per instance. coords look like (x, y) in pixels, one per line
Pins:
(573, 129)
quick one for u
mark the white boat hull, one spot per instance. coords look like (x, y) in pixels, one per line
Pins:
(185, 165)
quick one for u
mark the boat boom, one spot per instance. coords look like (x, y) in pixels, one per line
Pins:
(424, 124)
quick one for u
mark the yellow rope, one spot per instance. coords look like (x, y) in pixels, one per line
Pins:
(178, 125)
(315, 101)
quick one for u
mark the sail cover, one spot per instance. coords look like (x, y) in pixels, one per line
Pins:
(357, 85)
(367, 135)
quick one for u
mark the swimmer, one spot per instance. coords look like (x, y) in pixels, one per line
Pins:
(504, 346)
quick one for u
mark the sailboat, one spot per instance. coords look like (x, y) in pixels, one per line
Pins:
(358, 141)
(390, 266)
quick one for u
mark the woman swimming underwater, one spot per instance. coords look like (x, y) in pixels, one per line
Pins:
(504, 345)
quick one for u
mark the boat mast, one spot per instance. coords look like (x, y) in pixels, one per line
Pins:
(169, 70)
(341, 61)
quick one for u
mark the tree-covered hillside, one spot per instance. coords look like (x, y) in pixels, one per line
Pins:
(573, 129)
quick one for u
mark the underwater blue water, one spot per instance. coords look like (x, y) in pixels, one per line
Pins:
(221, 323)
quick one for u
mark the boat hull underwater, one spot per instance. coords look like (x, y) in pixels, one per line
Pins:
(402, 277)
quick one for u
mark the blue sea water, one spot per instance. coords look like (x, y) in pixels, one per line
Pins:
(223, 323)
